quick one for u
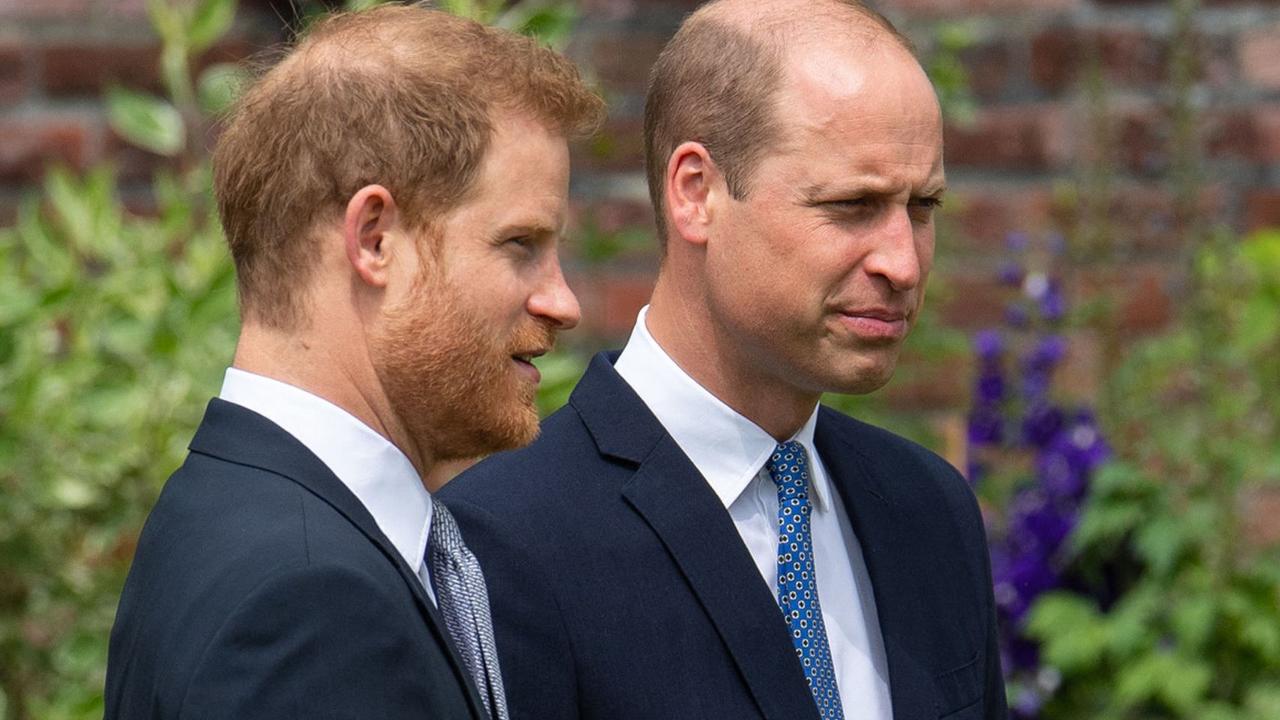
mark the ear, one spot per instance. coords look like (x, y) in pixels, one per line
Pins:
(371, 214)
(691, 176)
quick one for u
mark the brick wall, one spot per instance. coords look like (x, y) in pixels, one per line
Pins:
(1010, 165)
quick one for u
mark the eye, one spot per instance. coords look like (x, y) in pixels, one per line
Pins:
(520, 241)
(921, 209)
(858, 202)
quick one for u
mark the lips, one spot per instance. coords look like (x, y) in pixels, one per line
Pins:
(879, 324)
(524, 364)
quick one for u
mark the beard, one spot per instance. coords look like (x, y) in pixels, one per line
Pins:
(449, 377)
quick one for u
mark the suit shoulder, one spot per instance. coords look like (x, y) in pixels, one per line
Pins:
(563, 454)
(891, 455)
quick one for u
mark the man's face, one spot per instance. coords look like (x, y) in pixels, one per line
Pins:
(454, 353)
(816, 276)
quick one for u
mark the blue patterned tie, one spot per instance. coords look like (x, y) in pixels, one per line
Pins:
(797, 580)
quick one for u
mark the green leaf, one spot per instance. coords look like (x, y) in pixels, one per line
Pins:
(550, 23)
(146, 121)
(1068, 626)
(167, 21)
(1177, 681)
(210, 21)
(1193, 619)
(220, 85)
(1159, 542)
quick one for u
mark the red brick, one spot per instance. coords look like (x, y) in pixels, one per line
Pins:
(1141, 136)
(13, 83)
(610, 302)
(1057, 54)
(1259, 56)
(1132, 57)
(31, 143)
(1262, 209)
(619, 146)
(1141, 294)
(45, 9)
(1266, 121)
(990, 67)
(131, 161)
(77, 69)
(1249, 133)
(622, 59)
(972, 300)
(980, 217)
(1128, 57)
(939, 8)
(924, 382)
(1024, 137)
(1260, 509)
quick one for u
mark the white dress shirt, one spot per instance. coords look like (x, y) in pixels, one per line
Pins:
(374, 470)
(730, 451)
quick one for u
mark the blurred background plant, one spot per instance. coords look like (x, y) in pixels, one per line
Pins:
(1133, 579)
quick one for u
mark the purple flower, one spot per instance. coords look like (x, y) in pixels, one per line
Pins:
(1046, 354)
(1011, 274)
(1016, 241)
(986, 426)
(975, 472)
(1069, 461)
(988, 345)
(1015, 315)
(1053, 307)
(1041, 424)
(990, 388)
(1026, 704)
(1025, 578)
(1038, 525)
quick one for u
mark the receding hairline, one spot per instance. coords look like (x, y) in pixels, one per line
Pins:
(765, 22)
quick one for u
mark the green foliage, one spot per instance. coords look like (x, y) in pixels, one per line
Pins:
(115, 331)
(1191, 626)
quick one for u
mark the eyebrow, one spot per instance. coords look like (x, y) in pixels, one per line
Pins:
(867, 186)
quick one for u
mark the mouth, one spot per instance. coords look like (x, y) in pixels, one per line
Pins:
(878, 324)
(524, 363)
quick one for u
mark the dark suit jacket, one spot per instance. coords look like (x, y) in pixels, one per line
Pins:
(262, 588)
(621, 589)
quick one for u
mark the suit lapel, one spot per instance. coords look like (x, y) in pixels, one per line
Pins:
(683, 511)
(239, 435)
(889, 553)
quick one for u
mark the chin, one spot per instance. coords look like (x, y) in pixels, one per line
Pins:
(487, 430)
(862, 381)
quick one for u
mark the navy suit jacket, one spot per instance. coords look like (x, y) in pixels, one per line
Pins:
(262, 588)
(621, 589)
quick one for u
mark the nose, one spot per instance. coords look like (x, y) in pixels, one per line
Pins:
(896, 256)
(554, 301)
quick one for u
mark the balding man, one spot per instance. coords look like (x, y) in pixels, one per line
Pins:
(693, 536)
(393, 193)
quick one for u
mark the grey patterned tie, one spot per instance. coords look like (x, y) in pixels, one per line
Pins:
(464, 603)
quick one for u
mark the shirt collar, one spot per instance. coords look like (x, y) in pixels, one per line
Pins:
(376, 472)
(727, 448)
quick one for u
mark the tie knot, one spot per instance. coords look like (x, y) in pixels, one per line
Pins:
(789, 468)
(444, 535)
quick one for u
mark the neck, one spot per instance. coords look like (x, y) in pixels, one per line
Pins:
(679, 323)
(337, 372)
